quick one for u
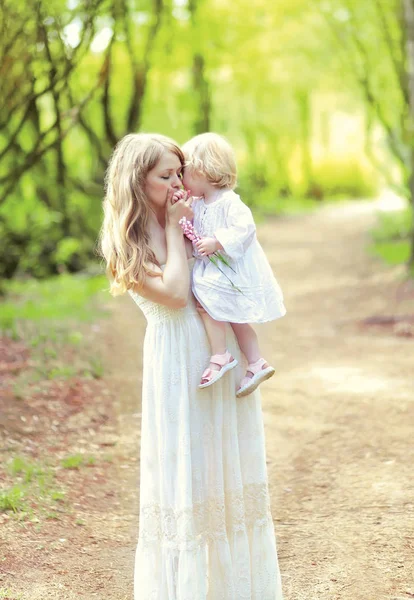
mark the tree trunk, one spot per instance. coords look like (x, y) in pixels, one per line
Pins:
(202, 90)
(201, 84)
(305, 116)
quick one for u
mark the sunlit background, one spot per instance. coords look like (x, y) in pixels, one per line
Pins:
(314, 96)
(317, 98)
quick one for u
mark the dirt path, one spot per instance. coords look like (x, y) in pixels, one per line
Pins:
(338, 416)
(338, 420)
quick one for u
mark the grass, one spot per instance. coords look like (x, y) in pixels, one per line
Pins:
(77, 460)
(33, 483)
(390, 238)
(37, 310)
(393, 253)
(28, 471)
(34, 488)
(49, 316)
(95, 368)
(8, 594)
(62, 297)
(270, 206)
(13, 499)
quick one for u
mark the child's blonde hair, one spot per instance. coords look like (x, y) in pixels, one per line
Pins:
(211, 155)
(124, 239)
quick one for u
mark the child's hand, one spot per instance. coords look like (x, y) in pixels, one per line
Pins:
(177, 209)
(207, 246)
(180, 195)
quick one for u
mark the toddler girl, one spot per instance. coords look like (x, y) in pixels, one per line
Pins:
(225, 224)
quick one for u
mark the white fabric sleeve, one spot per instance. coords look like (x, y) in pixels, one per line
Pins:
(240, 229)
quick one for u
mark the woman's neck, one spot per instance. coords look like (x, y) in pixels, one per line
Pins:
(157, 218)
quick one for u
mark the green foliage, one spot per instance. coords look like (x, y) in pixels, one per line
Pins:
(393, 253)
(12, 499)
(27, 470)
(66, 250)
(296, 87)
(47, 315)
(8, 325)
(8, 594)
(59, 298)
(35, 482)
(391, 237)
(77, 460)
(395, 226)
(96, 367)
(343, 177)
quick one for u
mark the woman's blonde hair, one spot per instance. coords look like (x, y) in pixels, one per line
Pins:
(123, 240)
(209, 154)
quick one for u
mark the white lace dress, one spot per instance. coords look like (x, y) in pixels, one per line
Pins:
(205, 527)
(258, 298)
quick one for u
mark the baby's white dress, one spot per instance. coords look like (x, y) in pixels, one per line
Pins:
(205, 526)
(258, 298)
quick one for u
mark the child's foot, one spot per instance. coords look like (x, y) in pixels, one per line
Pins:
(256, 373)
(220, 364)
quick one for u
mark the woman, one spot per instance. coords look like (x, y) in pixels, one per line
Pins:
(206, 532)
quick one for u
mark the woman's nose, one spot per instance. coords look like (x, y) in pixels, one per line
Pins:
(176, 183)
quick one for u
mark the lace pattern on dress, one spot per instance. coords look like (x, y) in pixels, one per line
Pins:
(238, 510)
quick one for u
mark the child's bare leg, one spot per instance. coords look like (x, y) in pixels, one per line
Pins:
(258, 369)
(216, 333)
(248, 341)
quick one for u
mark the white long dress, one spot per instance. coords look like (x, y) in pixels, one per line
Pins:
(205, 527)
(258, 298)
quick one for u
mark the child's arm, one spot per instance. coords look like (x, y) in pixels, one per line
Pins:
(240, 229)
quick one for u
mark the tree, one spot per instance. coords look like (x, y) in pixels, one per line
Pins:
(408, 12)
(376, 40)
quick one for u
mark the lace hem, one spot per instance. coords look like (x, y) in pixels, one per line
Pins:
(212, 519)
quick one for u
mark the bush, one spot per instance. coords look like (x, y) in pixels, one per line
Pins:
(391, 237)
(343, 177)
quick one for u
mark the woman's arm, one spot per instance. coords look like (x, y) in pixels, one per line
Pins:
(172, 286)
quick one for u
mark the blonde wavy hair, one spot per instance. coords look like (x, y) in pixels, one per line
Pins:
(123, 240)
(211, 155)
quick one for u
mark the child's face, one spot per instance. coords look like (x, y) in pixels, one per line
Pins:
(165, 176)
(194, 182)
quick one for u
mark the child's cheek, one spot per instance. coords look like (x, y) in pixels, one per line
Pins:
(187, 182)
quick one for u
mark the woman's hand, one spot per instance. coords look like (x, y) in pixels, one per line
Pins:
(178, 208)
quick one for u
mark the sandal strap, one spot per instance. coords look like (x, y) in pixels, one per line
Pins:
(210, 376)
(254, 368)
(221, 359)
(207, 374)
(245, 381)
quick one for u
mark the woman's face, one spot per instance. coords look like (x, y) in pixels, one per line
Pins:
(166, 175)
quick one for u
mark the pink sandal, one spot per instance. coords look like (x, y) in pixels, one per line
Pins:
(260, 371)
(224, 361)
